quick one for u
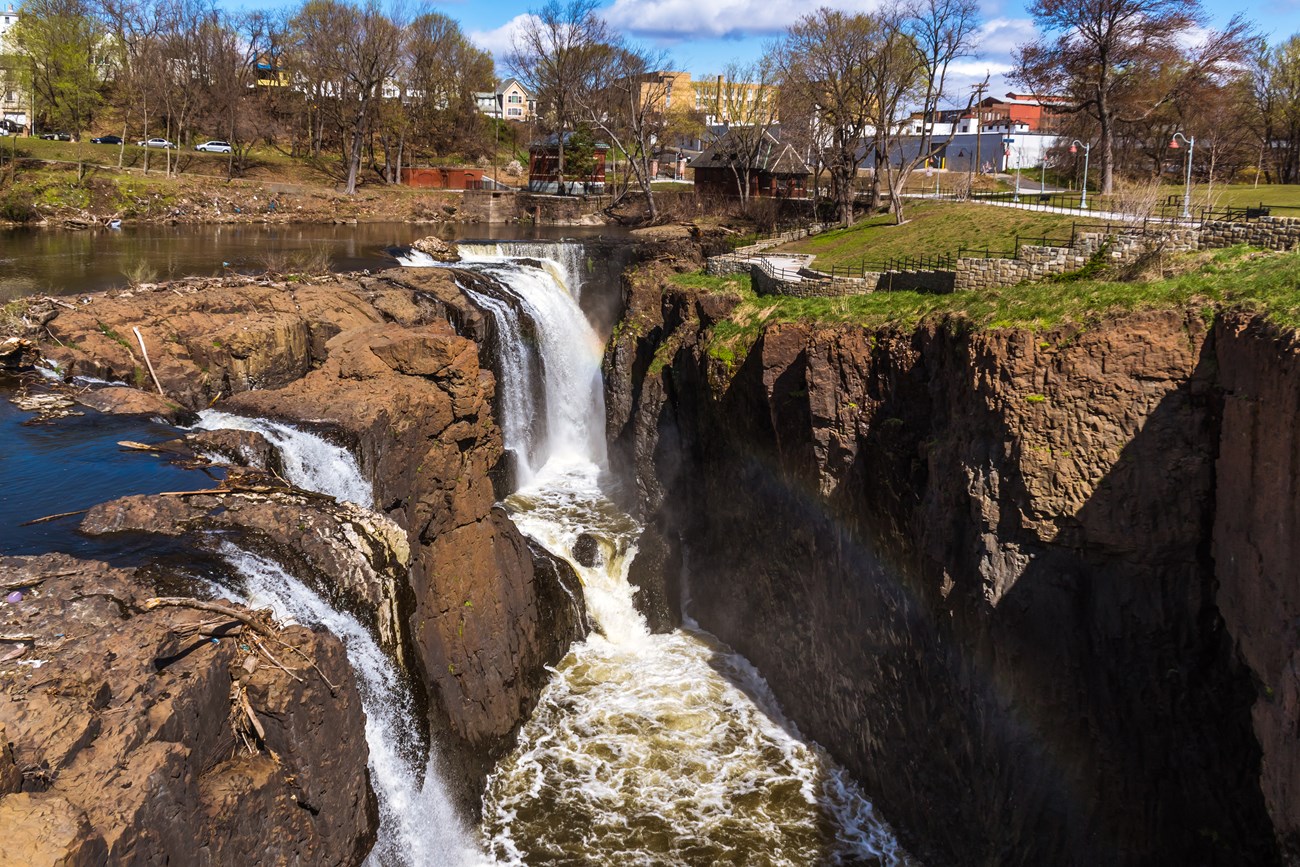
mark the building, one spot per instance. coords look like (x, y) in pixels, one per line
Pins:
(735, 103)
(1033, 112)
(442, 178)
(14, 102)
(544, 163)
(777, 171)
(509, 101)
(1001, 149)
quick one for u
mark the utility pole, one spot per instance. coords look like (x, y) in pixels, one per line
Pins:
(979, 128)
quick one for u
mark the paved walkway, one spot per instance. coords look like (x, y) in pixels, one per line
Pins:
(1024, 205)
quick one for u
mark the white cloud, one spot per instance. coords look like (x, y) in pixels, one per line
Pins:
(998, 37)
(693, 19)
(499, 41)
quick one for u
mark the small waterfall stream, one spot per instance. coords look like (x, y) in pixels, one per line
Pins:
(644, 749)
(418, 823)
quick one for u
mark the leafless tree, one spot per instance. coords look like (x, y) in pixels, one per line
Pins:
(628, 100)
(742, 103)
(555, 55)
(918, 47)
(1102, 54)
(824, 61)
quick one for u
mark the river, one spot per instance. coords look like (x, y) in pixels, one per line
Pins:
(64, 262)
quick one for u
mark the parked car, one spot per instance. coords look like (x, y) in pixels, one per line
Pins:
(107, 139)
(156, 143)
(216, 146)
(56, 136)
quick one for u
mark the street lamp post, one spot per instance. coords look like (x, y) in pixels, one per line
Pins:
(1187, 183)
(1087, 151)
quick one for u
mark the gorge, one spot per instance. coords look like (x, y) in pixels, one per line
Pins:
(1028, 593)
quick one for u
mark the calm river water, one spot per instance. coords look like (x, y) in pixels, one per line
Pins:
(62, 262)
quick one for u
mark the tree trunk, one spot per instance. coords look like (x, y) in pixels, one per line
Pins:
(358, 142)
(1107, 139)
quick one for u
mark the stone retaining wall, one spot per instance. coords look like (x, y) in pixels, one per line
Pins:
(1033, 264)
(740, 260)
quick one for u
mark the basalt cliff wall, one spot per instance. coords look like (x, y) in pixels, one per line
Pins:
(1036, 590)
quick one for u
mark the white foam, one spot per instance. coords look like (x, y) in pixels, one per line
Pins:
(310, 461)
(643, 749)
(418, 824)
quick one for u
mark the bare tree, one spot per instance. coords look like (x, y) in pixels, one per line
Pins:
(742, 103)
(824, 61)
(627, 99)
(555, 55)
(1103, 53)
(134, 26)
(440, 72)
(918, 48)
(349, 53)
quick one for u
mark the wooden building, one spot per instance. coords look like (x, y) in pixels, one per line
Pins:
(544, 162)
(775, 169)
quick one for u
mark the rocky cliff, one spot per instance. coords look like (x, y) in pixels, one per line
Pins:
(379, 364)
(1031, 588)
(127, 734)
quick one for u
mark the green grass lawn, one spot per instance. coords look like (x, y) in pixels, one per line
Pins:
(1237, 277)
(932, 229)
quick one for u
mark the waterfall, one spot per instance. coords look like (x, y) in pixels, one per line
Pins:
(418, 824)
(310, 462)
(565, 260)
(572, 394)
(643, 748)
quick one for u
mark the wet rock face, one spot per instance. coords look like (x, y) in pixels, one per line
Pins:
(118, 724)
(356, 558)
(977, 568)
(587, 551)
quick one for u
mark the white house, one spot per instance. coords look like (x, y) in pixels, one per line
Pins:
(510, 101)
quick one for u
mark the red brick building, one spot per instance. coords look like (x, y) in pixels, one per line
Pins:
(442, 178)
(544, 164)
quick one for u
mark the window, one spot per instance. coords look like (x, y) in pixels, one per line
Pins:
(515, 112)
(514, 99)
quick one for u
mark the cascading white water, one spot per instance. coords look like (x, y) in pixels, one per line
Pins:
(566, 260)
(310, 462)
(643, 748)
(418, 824)
(570, 352)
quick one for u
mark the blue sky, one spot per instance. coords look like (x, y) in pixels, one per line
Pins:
(702, 36)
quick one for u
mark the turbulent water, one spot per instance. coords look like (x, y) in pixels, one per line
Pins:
(644, 749)
(310, 462)
(418, 824)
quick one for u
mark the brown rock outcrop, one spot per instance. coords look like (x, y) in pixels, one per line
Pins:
(354, 557)
(417, 406)
(437, 249)
(976, 567)
(122, 400)
(386, 365)
(122, 731)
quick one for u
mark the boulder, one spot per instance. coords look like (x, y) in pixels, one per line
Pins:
(437, 249)
(127, 742)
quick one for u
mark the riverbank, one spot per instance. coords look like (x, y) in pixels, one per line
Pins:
(56, 197)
